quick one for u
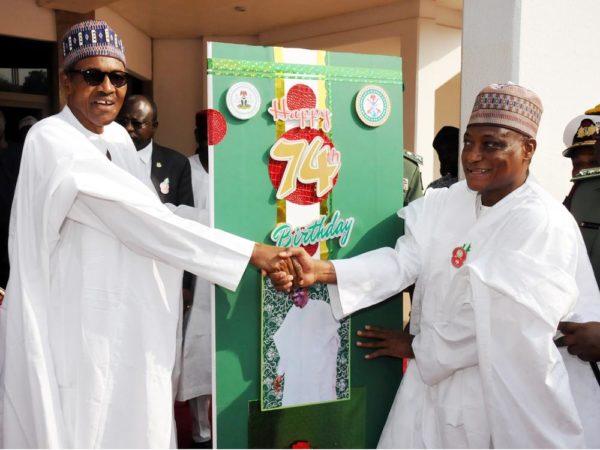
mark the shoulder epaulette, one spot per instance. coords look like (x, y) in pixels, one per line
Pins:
(584, 174)
(413, 157)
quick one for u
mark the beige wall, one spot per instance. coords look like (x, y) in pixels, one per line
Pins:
(439, 60)
(179, 86)
(138, 46)
(23, 18)
(447, 111)
(178, 68)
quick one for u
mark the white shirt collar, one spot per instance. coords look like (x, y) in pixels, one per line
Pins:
(145, 154)
(94, 138)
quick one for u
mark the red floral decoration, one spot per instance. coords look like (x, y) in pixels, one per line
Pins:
(217, 126)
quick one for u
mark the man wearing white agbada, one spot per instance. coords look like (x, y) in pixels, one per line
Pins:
(497, 263)
(88, 326)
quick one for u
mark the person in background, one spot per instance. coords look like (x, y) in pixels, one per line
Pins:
(88, 328)
(583, 339)
(24, 126)
(168, 169)
(445, 144)
(412, 184)
(497, 263)
(581, 151)
(3, 141)
(195, 381)
(10, 161)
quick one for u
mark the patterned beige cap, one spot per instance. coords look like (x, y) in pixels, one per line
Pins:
(509, 106)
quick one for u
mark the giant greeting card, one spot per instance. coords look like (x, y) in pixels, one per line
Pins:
(312, 157)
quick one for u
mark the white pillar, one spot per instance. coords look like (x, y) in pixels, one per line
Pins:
(438, 62)
(545, 45)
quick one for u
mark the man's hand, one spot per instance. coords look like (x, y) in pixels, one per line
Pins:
(394, 343)
(304, 269)
(276, 260)
(1, 296)
(581, 339)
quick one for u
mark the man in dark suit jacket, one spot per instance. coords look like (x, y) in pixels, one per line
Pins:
(169, 170)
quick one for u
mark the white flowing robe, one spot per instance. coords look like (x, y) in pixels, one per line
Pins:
(88, 326)
(196, 366)
(486, 371)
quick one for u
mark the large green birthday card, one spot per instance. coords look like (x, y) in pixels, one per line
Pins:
(307, 151)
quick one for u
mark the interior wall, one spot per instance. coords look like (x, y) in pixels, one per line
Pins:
(25, 19)
(138, 45)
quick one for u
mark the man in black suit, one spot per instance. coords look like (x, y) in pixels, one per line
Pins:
(169, 170)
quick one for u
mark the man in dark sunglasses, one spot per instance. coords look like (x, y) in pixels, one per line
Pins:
(88, 325)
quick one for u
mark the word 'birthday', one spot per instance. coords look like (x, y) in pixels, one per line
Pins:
(308, 117)
(285, 235)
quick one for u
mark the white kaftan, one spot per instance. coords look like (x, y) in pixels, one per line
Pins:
(486, 371)
(308, 342)
(195, 378)
(88, 326)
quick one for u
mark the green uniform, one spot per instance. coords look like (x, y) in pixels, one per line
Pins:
(585, 207)
(412, 185)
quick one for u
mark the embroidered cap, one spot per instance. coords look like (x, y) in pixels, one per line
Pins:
(91, 38)
(509, 106)
(587, 134)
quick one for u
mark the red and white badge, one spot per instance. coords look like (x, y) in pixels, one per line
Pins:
(459, 255)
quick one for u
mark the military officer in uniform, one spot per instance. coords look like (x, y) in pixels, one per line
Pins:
(412, 185)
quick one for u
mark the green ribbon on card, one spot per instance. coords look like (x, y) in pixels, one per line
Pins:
(268, 69)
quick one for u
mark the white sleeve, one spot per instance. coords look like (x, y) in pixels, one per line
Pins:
(200, 215)
(111, 199)
(374, 276)
(442, 348)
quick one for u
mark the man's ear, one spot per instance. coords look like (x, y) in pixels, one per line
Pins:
(65, 82)
(529, 145)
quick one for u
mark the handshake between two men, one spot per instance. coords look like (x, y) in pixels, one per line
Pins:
(292, 267)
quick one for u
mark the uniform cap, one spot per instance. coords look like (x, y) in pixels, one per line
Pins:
(587, 134)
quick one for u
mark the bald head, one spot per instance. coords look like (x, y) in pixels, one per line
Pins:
(139, 116)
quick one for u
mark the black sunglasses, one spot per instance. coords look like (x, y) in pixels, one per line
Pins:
(136, 124)
(95, 77)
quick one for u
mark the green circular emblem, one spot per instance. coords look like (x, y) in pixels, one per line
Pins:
(373, 105)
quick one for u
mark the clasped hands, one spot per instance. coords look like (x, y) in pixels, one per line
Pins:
(289, 267)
